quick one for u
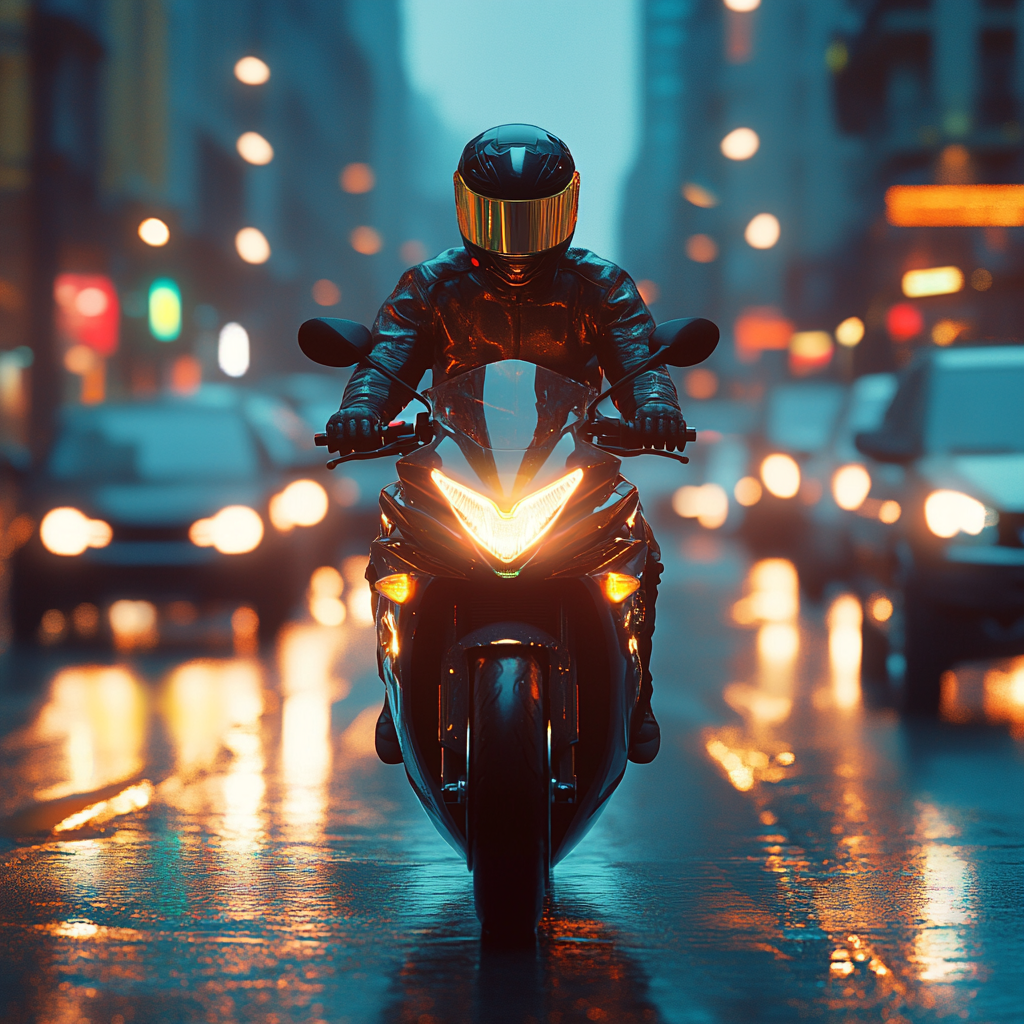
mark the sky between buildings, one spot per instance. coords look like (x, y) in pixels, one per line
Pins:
(569, 66)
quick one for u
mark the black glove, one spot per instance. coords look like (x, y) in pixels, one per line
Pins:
(659, 425)
(355, 428)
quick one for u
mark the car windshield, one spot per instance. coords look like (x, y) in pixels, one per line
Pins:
(801, 417)
(977, 404)
(511, 405)
(153, 443)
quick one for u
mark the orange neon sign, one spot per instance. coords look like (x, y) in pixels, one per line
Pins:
(967, 206)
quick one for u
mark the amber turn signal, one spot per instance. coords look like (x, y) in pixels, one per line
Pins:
(617, 586)
(398, 587)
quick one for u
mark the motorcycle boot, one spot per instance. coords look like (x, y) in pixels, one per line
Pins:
(645, 733)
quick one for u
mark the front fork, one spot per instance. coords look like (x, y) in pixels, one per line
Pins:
(560, 696)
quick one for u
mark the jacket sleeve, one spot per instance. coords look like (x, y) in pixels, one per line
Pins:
(624, 329)
(403, 342)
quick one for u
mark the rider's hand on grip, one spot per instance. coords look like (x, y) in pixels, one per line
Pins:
(354, 429)
(659, 425)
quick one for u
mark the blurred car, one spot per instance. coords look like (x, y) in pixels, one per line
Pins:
(840, 480)
(196, 503)
(946, 543)
(788, 455)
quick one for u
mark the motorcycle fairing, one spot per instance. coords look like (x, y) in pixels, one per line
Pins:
(504, 442)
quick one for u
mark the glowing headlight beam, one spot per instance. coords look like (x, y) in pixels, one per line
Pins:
(506, 535)
(947, 513)
(67, 531)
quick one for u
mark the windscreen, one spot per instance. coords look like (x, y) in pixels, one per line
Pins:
(153, 444)
(509, 405)
(975, 408)
(801, 417)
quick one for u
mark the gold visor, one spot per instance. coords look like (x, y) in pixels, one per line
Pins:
(517, 227)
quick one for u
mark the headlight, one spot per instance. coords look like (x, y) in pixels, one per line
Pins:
(66, 531)
(234, 530)
(506, 535)
(781, 475)
(948, 513)
(850, 486)
(301, 503)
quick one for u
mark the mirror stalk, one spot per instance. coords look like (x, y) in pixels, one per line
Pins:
(395, 379)
(656, 360)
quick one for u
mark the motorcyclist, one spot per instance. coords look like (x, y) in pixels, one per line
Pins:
(515, 290)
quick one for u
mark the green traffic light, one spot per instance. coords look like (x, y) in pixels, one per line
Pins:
(164, 309)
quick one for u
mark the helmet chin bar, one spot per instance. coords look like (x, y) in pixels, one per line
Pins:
(518, 271)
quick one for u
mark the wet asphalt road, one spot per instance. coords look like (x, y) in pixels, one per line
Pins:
(210, 838)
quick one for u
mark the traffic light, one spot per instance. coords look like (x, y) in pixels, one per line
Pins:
(88, 311)
(164, 309)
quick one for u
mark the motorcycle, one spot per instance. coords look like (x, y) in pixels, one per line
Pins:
(508, 595)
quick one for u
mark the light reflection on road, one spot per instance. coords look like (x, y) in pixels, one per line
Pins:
(280, 871)
(97, 717)
(896, 896)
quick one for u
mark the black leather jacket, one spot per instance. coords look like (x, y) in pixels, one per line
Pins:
(449, 316)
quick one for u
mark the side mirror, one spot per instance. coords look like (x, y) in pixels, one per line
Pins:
(885, 446)
(333, 342)
(688, 341)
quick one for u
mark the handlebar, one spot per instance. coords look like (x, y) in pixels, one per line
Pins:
(616, 433)
(399, 437)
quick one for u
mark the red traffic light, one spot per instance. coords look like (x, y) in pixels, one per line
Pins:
(88, 311)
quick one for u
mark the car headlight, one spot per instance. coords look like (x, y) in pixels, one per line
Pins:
(781, 475)
(66, 531)
(948, 513)
(301, 503)
(234, 530)
(506, 535)
(850, 486)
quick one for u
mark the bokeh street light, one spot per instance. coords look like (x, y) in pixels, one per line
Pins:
(356, 179)
(740, 144)
(701, 249)
(153, 231)
(763, 231)
(252, 245)
(233, 350)
(366, 240)
(742, 6)
(700, 196)
(254, 149)
(326, 293)
(850, 332)
(252, 71)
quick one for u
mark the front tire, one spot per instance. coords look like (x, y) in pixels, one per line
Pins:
(508, 794)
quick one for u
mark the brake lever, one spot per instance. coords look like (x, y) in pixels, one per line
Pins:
(628, 453)
(403, 447)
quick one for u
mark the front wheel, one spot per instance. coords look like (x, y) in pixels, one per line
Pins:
(508, 793)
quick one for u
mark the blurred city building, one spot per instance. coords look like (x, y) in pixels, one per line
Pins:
(770, 193)
(182, 183)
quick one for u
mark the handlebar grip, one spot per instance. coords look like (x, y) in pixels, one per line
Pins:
(320, 440)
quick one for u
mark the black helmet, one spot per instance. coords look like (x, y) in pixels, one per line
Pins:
(516, 195)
